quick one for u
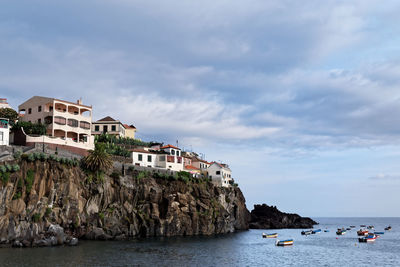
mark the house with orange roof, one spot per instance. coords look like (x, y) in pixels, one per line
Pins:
(172, 159)
(130, 131)
(146, 157)
(220, 174)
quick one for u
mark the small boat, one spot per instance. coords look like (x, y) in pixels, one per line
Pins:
(368, 238)
(341, 231)
(283, 243)
(274, 235)
(352, 226)
(317, 231)
(388, 228)
(362, 232)
(348, 229)
(308, 232)
(370, 227)
(363, 225)
(379, 233)
(326, 231)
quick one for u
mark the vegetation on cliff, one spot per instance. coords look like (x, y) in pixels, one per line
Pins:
(48, 201)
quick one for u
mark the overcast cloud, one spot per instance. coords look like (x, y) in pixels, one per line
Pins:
(277, 81)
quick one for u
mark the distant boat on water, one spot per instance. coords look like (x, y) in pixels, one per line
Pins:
(341, 231)
(363, 225)
(274, 235)
(308, 232)
(379, 233)
(368, 238)
(283, 243)
(362, 232)
(389, 228)
(352, 226)
(316, 231)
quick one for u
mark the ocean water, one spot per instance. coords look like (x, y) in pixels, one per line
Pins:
(246, 248)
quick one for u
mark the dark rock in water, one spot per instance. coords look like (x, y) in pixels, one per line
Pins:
(269, 217)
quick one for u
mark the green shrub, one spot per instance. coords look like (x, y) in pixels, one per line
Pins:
(37, 156)
(43, 157)
(52, 157)
(17, 155)
(30, 176)
(131, 168)
(3, 169)
(5, 177)
(24, 156)
(48, 212)
(141, 175)
(101, 216)
(31, 158)
(15, 168)
(17, 195)
(36, 217)
(8, 167)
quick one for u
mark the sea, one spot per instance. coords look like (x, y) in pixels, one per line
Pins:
(246, 248)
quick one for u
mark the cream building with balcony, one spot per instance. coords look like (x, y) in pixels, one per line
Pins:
(108, 126)
(67, 123)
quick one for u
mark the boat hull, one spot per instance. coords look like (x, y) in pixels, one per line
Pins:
(284, 243)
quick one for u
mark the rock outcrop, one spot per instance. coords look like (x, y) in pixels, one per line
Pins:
(58, 205)
(268, 217)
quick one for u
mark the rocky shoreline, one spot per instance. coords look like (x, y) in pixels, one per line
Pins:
(49, 203)
(269, 217)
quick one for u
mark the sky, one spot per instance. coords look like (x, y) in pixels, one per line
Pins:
(300, 98)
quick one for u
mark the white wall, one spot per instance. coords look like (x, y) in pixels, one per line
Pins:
(221, 179)
(145, 160)
(4, 136)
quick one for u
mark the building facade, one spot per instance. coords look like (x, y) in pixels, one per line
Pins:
(171, 159)
(220, 174)
(4, 132)
(145, 158)
(67, 123)
(3, 103)
(130, 131)
(109, 126)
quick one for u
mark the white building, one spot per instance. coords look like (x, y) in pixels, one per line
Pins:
(4, 132)
(220, 174)
(145, 158)
(172, 159)
(108, 126)
(3, 103)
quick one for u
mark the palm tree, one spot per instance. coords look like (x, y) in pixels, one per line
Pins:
(98, 159)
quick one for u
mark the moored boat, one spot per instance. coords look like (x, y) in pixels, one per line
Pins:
(388, 228)
(274, 235)
(341, 231)
(352, 226)
(348, 228)
(362, 232)
(370, 227)
(363, 225)
(282, 243)
(326, 230)
(308, 232)
(379, 233)
(317, 231)
(368, 238)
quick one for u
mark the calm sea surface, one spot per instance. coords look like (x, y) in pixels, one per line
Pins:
(239, 249)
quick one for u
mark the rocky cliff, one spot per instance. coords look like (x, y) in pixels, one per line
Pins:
(48, 203)
(268, 217)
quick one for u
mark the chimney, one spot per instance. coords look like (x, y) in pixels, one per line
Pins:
(79, 101)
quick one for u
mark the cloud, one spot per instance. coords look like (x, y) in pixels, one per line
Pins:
(384, 177)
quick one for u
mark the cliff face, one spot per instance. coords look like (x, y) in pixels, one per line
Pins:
(267, 217)
(61, 206)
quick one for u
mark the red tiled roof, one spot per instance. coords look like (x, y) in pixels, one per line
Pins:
(190, 167)
(129, 126)
(170, 146)
(108, 118)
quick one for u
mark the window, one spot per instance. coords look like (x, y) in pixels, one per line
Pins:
(149, 158)
(105, 129)
(162, 158)
(39, 109)
(85, 125)
(218, 172)
(39, 121)
(172, 152)
(113, 128)
(60, 120)
(140, 157)
(177, 153)
(96, 128)
(29, 111)
(72, 123)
